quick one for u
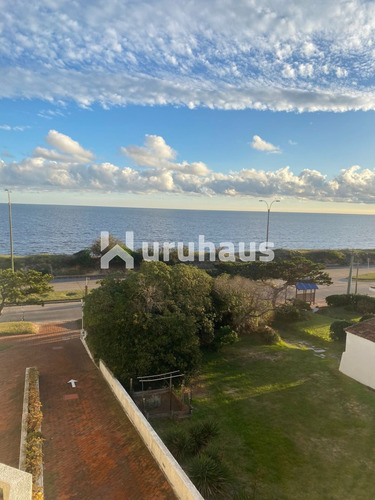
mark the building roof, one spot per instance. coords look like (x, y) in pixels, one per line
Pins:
(306, 286)
(364, 329)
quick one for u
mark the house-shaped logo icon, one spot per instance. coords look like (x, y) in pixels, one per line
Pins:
(117, 251)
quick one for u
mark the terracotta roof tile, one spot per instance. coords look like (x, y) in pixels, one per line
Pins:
(364, 329)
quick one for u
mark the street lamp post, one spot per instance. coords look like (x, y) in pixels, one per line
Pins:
(10, 230)
(268, 214)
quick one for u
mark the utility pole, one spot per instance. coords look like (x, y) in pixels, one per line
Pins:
(350, 273)
(268, 215)
(10, 230)
(356, 278)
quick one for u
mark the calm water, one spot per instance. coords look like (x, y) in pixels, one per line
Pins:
(67, 229)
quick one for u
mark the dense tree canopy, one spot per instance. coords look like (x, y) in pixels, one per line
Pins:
(286, 272)
(20, 285)
(152, 321)
(159, 318)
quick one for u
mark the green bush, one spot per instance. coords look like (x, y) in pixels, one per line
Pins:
(178, 442)
(367, 316)
(83, 258)
(201, 434)
(357, 302)
(268, 335)
(337, 329)
(223, 336)
(210, 476)
(326, 256)
(339, 300)
(288, 313)
(365, 306)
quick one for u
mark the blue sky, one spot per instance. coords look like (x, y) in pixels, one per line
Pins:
(145, 104)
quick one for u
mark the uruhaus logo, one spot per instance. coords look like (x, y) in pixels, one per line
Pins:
(185, 253)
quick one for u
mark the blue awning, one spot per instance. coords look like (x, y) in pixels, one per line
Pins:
(306, 286)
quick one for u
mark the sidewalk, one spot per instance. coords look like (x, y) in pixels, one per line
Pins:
(91, 450)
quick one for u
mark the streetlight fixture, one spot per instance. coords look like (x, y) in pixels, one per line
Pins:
(10, 229)
(269, 205)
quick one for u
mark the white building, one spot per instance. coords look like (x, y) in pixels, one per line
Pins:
(358, 360)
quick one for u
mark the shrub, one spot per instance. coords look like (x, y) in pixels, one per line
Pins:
(367, 316)
(339, 300)
(83, 258)
(201, 434)
(365, 306)
(337, 329)
(287, 313)
(268, 335)
(223, 336)
(178, 442)
(210, 476)
(361, 303)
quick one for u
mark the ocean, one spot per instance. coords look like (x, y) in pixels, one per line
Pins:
(68, 229)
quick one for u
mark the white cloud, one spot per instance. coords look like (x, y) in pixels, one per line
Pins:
(275, 54)
(261, 145)
(52, 170)
(64, 144)
(16, 128)
(155, 153)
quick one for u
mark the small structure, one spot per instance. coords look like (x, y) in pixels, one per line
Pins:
(162, 401)
(358, 360)
(306, 291)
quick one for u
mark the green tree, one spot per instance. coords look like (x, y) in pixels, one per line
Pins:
(96, 245)
(287, 272)
(242, 303)
(20, 285)
(151, 322)
(96, 250)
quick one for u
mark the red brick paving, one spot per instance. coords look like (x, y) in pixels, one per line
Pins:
(91, 450)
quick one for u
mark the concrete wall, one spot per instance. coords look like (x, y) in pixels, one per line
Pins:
(358, 360)
(181, 484)
(16, 484)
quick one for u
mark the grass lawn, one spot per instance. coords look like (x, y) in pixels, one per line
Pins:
(63, 295)
(17, 328)
(292, 426)
(365, 277)
(53, 295)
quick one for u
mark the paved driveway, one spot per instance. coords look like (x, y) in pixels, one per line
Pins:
(91, 448)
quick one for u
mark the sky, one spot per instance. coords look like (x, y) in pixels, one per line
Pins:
(198, 104)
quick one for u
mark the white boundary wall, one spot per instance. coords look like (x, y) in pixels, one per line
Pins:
(358, 359)
(16, 484)
(181, 484)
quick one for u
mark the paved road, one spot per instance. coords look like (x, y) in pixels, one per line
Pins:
(340, 283)
(73, 311)
(49, 313)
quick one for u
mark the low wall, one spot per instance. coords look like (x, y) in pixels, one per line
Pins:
(16, 484)
(181, 484)
(83, 340)
(25, 411)
(358, 359)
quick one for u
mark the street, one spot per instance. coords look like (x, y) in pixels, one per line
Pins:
(49, 313)
(70, 311)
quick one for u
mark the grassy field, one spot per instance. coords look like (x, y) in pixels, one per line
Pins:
(53, 295)
(17, 328)
(63, 295)
(292, 426)
(365, 277)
